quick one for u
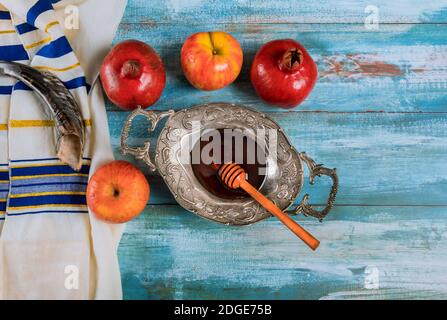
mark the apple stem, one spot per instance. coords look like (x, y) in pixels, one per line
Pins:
(291, 59)
(131, 69)
(212, 43)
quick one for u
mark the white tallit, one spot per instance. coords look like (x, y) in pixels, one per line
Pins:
(51, 246)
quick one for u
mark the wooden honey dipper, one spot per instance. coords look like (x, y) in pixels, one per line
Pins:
(234, 177)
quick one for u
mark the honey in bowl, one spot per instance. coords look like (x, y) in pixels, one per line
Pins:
(231, 145)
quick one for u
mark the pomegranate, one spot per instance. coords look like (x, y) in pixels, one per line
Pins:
(133, 75)
(283, 73)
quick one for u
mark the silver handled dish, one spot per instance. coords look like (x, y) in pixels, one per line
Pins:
(283, 178)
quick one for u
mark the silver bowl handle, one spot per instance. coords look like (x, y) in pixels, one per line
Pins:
(317, 170)
(142, 153)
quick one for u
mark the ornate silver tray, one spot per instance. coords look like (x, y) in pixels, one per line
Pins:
(284, 170)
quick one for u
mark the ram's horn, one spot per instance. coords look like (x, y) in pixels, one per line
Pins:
(64, 108)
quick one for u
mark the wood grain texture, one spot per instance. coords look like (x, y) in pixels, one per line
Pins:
(398, 68)
(168, 253)
(275, 11)
(378, 113)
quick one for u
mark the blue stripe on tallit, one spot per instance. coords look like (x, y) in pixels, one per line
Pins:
(24, 28)
(13, 53)
(71, 84)
(41, 159)
(5, 15)
(67, 181)
(45, 212)
(27, 27)
(55, 49)
(4, 190)
(37, 9)
(5, 90)
(52, 183)
(4, 175)
(54, 187)
(50, 199)
(77, 83)
(55, 169)
(50, 179)
(21, 86)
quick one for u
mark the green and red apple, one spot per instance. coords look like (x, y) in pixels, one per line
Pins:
(117, 192)
(211, 60)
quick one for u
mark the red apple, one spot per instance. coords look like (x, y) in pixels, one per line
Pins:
(133, 75)
(117, 192)
(211, 60)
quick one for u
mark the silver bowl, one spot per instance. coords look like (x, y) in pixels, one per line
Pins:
(284, 174)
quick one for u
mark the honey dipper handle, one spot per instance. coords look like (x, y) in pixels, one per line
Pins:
(310, 240)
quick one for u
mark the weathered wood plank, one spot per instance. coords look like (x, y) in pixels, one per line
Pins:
(381, 158)
(399, 68)
(168, 253)
(284, 11)
(391, 209)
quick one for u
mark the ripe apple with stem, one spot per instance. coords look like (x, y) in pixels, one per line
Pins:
(211, 60)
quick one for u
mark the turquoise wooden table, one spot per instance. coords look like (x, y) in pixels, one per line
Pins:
(378, 114)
